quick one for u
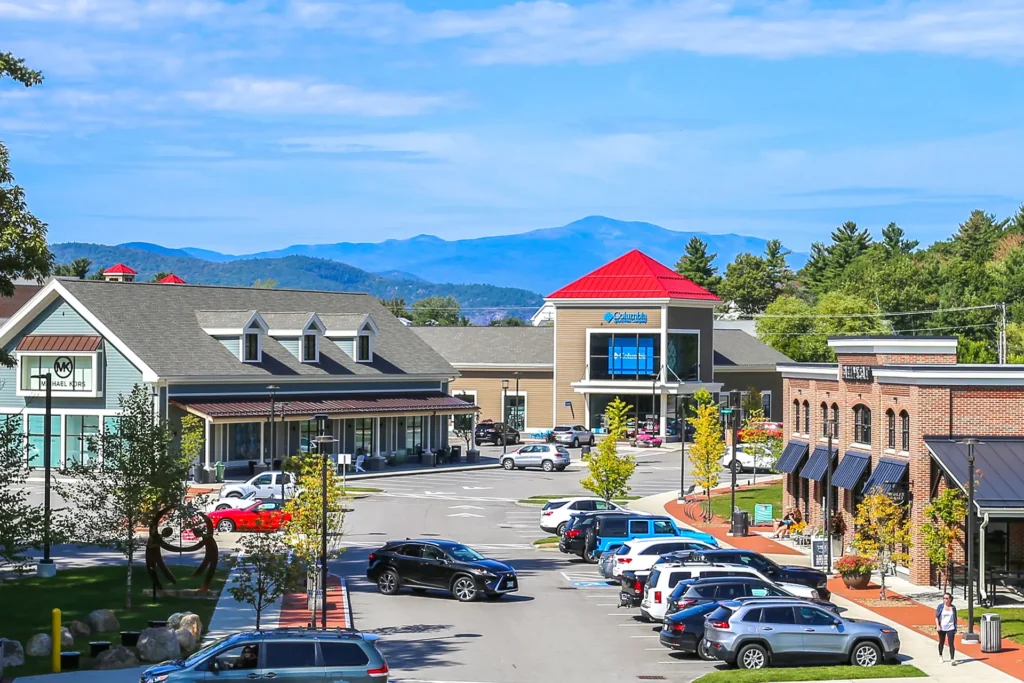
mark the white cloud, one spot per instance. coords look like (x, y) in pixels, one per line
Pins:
(413, 144)
(253, 95)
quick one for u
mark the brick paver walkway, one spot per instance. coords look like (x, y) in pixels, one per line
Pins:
(720, 530)
(294, 611)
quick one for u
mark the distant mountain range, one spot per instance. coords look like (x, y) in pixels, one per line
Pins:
(481, 302)
(540, 260)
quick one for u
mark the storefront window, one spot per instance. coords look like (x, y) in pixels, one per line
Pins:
(308, 431)
(515, 411)
(364, 435)
(244, 441)
(414, 433)
(625, 356)
(766, 404)
(862, 424)
(36, 425)
(83, 430)
(683, 357)
(14, 424)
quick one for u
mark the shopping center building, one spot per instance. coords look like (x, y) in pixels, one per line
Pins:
(231, 356)
(633, 329)
(898, 410)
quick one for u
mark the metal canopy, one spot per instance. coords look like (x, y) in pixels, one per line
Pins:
(998, 471)
(888, 473)
(791, 457)
(851, 469)
(818, 463)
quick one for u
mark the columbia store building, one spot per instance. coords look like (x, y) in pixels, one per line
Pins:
(632, 329)
(223, 354)
(898, 408)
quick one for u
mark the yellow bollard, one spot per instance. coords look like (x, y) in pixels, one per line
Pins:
(55, 638)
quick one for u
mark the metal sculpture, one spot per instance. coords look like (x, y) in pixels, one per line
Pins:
(198, 526)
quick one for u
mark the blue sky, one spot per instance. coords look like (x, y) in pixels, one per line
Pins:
(242, 125)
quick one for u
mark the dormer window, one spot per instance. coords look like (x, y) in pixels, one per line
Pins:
(364, 348)
(251, 347)
(310, 348)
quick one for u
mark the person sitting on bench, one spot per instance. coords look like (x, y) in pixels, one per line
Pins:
(782, 526)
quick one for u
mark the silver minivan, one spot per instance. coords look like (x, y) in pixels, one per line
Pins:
(546, 456)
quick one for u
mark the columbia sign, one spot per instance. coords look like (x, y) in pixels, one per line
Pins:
(621, 318)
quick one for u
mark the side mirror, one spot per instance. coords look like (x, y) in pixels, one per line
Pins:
(215, 665)
(837, 622)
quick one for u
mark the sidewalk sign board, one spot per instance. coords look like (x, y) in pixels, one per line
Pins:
(763, 513)
(819, 552)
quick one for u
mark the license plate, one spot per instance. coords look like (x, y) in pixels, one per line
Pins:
(510, 583)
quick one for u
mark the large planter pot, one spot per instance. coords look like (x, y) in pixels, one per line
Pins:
(856, 581)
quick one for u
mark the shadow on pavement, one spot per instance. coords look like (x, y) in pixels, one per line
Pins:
(409, 652)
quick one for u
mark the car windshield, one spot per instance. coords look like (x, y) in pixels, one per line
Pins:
(206, 651)
(561, 449)
(562, 429)
(464, 554)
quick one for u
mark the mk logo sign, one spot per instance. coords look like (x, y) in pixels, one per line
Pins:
(63, 367)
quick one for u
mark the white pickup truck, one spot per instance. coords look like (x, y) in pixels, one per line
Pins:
(263, 485)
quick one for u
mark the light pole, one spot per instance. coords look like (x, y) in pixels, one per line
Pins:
(504, 406)
(519, 414)
(273, 436)
(654, 400)
(970, 636)
(47, 571)
(734, 401)
(828, 499)
(321, 441)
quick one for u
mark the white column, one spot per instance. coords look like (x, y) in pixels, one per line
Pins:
(207, 443)
(663, 418)
(263, 449)
(376, 436)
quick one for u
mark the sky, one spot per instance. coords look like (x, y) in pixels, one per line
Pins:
(244, 125)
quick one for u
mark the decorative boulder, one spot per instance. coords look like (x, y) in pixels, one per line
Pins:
(79, 629)
(103, 621)
(193, 623)
(174, 621)
(117, 657)
(39, 645)
(14, 653)
(66, 639)
(158, 645)
(186, 641)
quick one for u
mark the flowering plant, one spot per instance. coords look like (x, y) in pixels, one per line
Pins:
(797, 527)
(854, 565)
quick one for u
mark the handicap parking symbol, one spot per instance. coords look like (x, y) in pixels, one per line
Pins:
(591, 584)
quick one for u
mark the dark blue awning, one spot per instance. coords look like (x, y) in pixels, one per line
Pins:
(791, 457)
(887, 474)
(998, 471)
(851, 469)
(818, 463)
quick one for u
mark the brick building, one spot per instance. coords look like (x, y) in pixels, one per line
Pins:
(898, 408)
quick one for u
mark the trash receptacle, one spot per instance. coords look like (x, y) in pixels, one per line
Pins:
(252, 467)
(991, 632)
(585, 451)
(220, 471)
(277, 465)
(456, 454)
(740, 522)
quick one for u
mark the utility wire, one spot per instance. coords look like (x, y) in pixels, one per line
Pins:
(878, 315)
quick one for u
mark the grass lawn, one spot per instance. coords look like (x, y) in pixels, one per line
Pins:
(746, 499)
(550, 540)
(812, 673)
(1012, 618)
(360, 489)
(541, 500)
(27, 604)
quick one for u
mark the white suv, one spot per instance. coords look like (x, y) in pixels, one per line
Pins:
(556, 513)
(265, 485)
(657, 590)
(640, 554)
(748, 458)
(573, 435)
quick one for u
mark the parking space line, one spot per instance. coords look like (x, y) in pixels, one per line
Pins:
(643, 636)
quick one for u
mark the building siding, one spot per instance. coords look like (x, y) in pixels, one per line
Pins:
(290, 344)
(683, 318)
(761, 381)
(348, 345)
(232, 344)
(536, 385)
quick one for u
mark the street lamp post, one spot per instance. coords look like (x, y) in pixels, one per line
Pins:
(735, 403)
(47, 563)
(828, 499)
(504, 407)
(273, 436)
(519, 414)
(321, 441)
(970, 636)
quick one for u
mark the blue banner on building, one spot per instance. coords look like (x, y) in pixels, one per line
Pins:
(631, 356)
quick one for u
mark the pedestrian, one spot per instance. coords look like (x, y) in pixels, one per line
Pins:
(945, 622)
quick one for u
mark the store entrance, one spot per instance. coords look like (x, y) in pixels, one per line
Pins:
(644, 411)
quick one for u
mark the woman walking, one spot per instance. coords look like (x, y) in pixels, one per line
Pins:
(945, 622)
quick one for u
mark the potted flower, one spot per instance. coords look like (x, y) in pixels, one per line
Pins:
(855, 570)
(838, 532)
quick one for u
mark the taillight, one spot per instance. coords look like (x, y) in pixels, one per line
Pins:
(657, 597)
(678, 628)
(572, 533)
(546, 513)
(372, 557)
(624, 560)
(719, 624)
(382, 671)
(637, 586)
(683, 604)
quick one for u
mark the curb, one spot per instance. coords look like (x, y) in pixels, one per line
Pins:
(345, 603)
(411, 473)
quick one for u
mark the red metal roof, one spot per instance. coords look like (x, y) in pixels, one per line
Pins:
(363, 403)
(120, 268)
(60, 342)
(634, 275)
(172, 279)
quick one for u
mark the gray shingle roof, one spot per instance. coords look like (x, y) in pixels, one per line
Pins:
(286, 321)
(223, 319)
(342, 322)
(160, 324)
(737, 348)
(491, 345)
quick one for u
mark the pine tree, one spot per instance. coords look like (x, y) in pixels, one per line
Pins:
(894, 242)
(697, 265)
(848, 242)
(977, 237)
(777, 270)
(1015, 224)
(815, 271)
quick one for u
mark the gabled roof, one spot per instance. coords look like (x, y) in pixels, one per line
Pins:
(171, 279)
(634, 275)
(120, 268)
(737, 349)
(492, 346)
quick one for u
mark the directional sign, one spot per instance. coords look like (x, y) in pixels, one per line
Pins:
(465, 514)
(726, 411)
(478, 488)
(465, 507)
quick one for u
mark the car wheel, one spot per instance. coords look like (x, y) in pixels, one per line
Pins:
(515, 439)
(464, 589)
(591, 440)
(704, 651)
(225, 525)
(508, 463)
(590, 547)
(866, 654)
(752, 657)
(387, 582)
(560, 529)
(736, 466)
(547, 465)
(497, 440)
(575, 443)
(223, 507)
(234, 494)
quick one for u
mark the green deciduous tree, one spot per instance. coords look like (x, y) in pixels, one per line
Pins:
(747, 284)
(264, 572)
(608, 471)
(706, 450)
(78, 268)
(142, 474)
(265, 283)
(697, 265)
(508, 321)
(883, 534)
(946, 514)
(437, 310)
(801, 332)
(193, 437)
(20, 520)
(786, 326)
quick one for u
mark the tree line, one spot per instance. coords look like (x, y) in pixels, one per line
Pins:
(853, 284)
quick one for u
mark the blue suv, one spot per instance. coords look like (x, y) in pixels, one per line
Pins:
(609, 532)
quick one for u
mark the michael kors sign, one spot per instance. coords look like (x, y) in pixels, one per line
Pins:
(857, 373)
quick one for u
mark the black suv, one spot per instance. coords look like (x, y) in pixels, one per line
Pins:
(805, 576)
(443, 565)
(497, 433)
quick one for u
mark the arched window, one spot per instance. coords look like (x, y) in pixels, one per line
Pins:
(796, 416)
(807, 418)
(904, 431)
(824, 419)
(862, 424)
(890, 441)
(835, 421)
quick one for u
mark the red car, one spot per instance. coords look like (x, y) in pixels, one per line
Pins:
(263, 515)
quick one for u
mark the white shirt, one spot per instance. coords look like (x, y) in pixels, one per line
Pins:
(946, 621)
